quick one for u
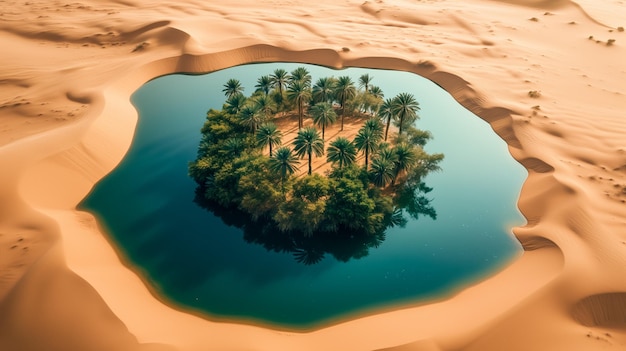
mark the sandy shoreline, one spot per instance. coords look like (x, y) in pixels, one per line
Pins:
(66, 121)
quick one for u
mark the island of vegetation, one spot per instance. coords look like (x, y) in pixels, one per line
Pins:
(364, 180)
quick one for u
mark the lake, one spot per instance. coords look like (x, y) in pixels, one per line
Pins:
(192, 258)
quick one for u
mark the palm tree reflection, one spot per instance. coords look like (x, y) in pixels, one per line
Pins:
(343, 245)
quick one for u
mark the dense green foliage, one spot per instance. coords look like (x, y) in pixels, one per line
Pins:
(234, 170)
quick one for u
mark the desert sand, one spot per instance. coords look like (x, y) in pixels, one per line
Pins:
(67, 71)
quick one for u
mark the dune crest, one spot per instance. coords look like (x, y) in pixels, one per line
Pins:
(548, 76)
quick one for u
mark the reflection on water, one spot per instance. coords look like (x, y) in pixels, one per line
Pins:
(309, 250)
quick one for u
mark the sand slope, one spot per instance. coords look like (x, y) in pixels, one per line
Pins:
(67, 71)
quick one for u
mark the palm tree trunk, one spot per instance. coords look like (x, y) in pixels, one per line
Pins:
(366, 156)
(309, 162)
(299, 114)
(322, 132)
(387, 128)
(395, 176)
(270, 150)
(342, 111)
(401, 123)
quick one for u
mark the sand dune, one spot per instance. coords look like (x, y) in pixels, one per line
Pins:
(67, 71)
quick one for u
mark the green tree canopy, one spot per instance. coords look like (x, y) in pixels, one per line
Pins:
(344, 90)
(367, 140)
(308, 142)
(269, 135)
(341, 152)
(324, 89)
(323, 115)
(232, 87)
(265, 105)
(279, 79)
(405, 160)
(364, 81)
(302, 75)
(376, 92)
(235, 103)
(405, 109)
(299, 93)
(284, 163)
(382, 171)
(264, 84)
(250, 117)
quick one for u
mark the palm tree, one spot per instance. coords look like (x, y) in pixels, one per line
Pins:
(301, 74)
(386, 152)
(299, 93)
(386, 113)
(323, 115)
(233, 147)
(382, 171)
(284, 163)
(250, 117)
(367, 141)
(344, 90)
(323, 89)
(376, 92)
(406, 158)
(268, 135)
(341, 151)
(364, 81)
(265, 105)
(232, 87)
(235, 103)
(375, 126)
(279, 79)
(264, 84)
(405, 107)
(308, 142)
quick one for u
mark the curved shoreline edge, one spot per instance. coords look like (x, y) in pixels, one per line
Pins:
(567, 285)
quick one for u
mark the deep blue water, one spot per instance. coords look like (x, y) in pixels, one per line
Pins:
(194, 259)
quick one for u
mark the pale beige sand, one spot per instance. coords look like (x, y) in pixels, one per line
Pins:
(67, 71)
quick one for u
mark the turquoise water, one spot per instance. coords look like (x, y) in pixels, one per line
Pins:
(191, 257)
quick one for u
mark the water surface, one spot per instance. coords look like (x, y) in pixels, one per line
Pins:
(194, 259)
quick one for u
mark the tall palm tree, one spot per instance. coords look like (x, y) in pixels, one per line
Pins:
(341, 151)
(344, 90)
(250, 117)
(299, 93)
(308, 142)
(382, 171)
(232, 87)
(279, 79)
(265, 105)
(323, 89)
(284, 163)
(323, 115)
(386, 114)
(405, 159)
(235, 103)
(405, 108)
(268, 135)
(301, 74)
(264, 84)
(375, 126)
(364, 81)
(367, 141)
(376, 92)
